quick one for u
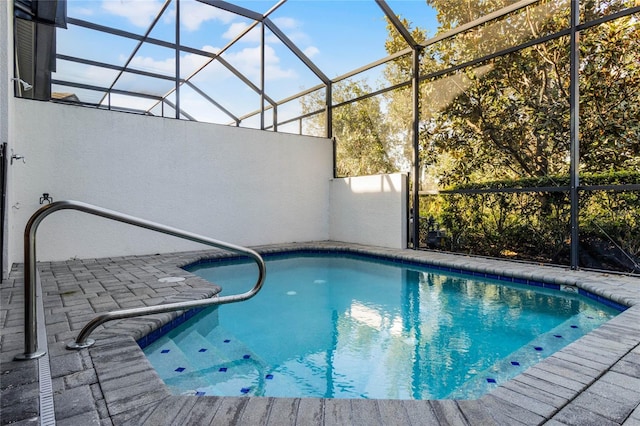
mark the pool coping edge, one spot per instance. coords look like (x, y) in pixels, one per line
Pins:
(503, 403)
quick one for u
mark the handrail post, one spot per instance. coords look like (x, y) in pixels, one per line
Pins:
(30, 322)
(30, 327)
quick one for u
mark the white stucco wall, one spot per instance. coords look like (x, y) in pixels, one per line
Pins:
(243, 186)
(6, 109)
(369, 210)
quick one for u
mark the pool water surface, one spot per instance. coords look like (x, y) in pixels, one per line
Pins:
(345, 326)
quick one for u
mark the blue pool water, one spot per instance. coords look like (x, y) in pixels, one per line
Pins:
(341, 326)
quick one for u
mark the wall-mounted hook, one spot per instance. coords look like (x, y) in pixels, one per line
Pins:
(46, 197)
(17, 157)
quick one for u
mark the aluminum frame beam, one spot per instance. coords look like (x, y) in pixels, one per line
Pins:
(247, 13)
(393, 18)
(216, 104)
(296, 51)
(574, 107)
(140, 43)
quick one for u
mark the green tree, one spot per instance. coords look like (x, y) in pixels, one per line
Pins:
(507, 121)
(509, 117)
(609, 99)
(399, 102)
(360, 129)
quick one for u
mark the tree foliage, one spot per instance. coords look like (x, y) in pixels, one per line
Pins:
(494, 115)
(509, 117)
(359, 128)
(609, 99)
(506, 121)
(516, 225)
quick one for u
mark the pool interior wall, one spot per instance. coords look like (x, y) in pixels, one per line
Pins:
(595, 380)
(223, 258)
(230, 362)
(422, 264)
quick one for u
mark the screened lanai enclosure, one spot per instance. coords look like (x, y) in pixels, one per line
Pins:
(517, 122)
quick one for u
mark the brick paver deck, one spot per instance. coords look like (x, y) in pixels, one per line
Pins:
(593, 381)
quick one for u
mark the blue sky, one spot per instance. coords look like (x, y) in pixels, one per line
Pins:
(337, 35)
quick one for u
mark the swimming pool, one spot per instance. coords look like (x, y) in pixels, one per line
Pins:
(345, 326)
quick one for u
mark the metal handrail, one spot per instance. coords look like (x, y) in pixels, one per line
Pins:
(31, 336)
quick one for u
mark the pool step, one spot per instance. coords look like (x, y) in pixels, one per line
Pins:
(528, 355)
(174, 365)
(216, 364)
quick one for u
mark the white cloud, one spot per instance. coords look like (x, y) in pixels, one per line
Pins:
(274, 72)
(87, 74)
(193, 14)
(142, 12)
(248, 62)
(284, 23)
(293, 29)
(311, 51)
(238, 27)
(188, 63)
(166, 66)
(253, 36)
(139, 12)
(73, 10)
